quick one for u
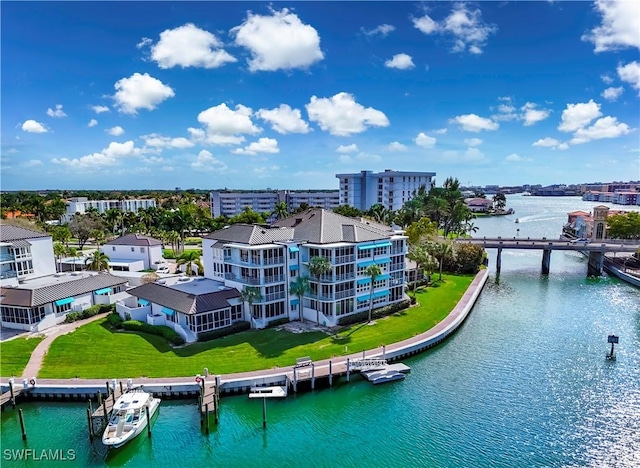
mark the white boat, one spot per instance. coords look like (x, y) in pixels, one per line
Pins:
(383, 375)
(129, 418)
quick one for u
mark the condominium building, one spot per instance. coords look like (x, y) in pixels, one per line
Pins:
(391, 189)
(24, 254)
(270, 259)
(233, 203)
(82, 204)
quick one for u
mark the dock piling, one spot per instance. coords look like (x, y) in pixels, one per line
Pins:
(108, 389)
(24, 431)
(13, 397)
(295, 381)
(99, 397)
(206, 417)
(121, 389)
(348, 369)
(313, 376)
(90, 423)
(104, 411)
(146, 410)
(264, 413)
(330, 374)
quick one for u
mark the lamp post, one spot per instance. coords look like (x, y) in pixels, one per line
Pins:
(518, 232)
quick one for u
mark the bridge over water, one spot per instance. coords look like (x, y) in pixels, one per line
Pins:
(595, 249)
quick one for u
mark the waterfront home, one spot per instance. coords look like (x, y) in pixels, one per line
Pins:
(270, 258)
(24, 254)
(189, 305)
(133, 252)
(478, 205)
(39, 303)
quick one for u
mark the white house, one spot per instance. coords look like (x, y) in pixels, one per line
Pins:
(24, 254)
(270, 258)
(133, 252)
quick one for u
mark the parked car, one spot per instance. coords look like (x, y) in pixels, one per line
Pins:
(163, 269)
(582, 240)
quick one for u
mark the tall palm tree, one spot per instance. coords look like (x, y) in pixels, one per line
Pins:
(419, 255)
(191, 258)
(440, 251)
(299, 288)
(99, 261)
(372, 271)
(319, 266)
(59, 250)
(113, 217)
(281, 210)
(250, 294)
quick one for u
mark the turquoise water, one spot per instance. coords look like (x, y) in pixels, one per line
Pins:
(523, 383)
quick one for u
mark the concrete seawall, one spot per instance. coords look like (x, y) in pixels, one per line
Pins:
(324, 371)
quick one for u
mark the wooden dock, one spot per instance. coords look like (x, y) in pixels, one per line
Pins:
(209, 402)
(10, 396)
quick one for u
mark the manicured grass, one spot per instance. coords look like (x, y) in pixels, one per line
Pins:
(94, 351)
(15, 354)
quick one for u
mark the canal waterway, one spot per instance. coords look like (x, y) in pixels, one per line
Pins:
(523, 383)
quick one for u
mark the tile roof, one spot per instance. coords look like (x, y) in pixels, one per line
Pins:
(319, 226)
(134, 239)
(9, 232)
(184, 302)
(252, 234)
(40, 295)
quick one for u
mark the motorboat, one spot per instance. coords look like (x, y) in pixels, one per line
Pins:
(129, 417)
(384, 376)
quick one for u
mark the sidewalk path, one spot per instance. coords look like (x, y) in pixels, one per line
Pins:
(37, 357)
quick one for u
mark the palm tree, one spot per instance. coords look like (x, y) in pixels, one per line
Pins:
(372, 271)
(319, 266)
(250, 294)
(422, 258)
(299, 288)
(189, 259)
(58, 250)
(281, 210)
(73, 252)
(499, 201)
(113, 217)
(440, 251)
(99, 261)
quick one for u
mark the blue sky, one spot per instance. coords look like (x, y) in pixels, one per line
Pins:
(251, 95)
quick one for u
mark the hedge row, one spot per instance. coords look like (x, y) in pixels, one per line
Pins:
(277, 323)
(375, 314)
(114, 320)
(161, 330)
(234, 328)
(89, 312)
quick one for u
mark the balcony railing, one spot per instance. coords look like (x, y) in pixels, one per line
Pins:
(396, 266)
(242, 279)
(345, 277)
(273, 261)
(6, 257)
(343, 294)
(398, 251)
(237, 261)
(273, 279)
(344, 259)
(272, 297)
(8, 274)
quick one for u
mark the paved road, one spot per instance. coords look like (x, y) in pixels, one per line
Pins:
(550, 244)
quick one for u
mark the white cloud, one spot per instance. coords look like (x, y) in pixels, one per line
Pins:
(400, 61)
(424, 140)
(441, 131)
(475, 123)
(515, 157)
(278, 42)
(284, 119)
(110, 156)
(630, 73)
(352, 148)
(115, 131)
(606, 127)
(263, 145)
(396, 146)
(342, 115)
(33, 163)
(31, 126)
(531, 115)
(189, 46)
(471, 155)
(145, 41)
(158, 141)
(606, 79)
(206, 162)
(464, 24)
(360, 158)
(612, 94)
(547, 142)
(100, 109)
(472, 141)
(224, 126)
(620, 25)
(576, 116)
(140, 92)
(92, 123)
(58, 112)
(382, 30)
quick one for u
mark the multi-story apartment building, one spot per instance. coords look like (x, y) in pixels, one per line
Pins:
(24, 254)
(270, 258)
(391, 189)
(82, 204)
(620, 197)
(233, 203)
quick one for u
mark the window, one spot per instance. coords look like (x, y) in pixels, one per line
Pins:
(60, 309)
(273, 310)
(22, 315)
(236, 313)
(142, 249)
(25, 267)
(113, 249)
(133, 249)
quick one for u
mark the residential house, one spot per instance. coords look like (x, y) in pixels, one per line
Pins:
(133, 252)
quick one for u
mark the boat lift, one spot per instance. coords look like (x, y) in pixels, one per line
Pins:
(613, 339)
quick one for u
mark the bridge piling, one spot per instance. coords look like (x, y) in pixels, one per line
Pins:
(546, 261)
(499, 260)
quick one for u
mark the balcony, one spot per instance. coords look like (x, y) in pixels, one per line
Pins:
(242, 279)
(273, 261)
(237, 261)
(7, 258)
(396, 266)
(273, 279)
(272, 297)
(398, 251)
(341, 259)
(8, 274)
(345, 277)
(343, 294)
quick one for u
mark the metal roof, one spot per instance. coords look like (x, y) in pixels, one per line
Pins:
(9, 232)
(187, 303)
(252, 234)
(135, 240)
(40, 295)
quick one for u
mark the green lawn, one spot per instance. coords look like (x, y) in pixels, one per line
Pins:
(15, 354)
(93, 351)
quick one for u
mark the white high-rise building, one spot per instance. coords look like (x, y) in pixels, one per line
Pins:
(233, 203)
(391, 189)
(82, 204)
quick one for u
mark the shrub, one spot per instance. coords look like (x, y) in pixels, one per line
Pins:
(277, 323)
(375, 314)
(234, 328)
(168, 253)
(114, 320)
(89, 312)
(167, 333)
(72, 317)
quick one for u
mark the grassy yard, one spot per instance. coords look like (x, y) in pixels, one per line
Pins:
(15, 354)
(93, 351)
